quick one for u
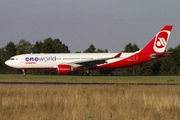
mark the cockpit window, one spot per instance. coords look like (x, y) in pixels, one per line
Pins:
(11, 58)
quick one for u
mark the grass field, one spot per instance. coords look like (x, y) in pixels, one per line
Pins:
(91, 79)
(100, 102)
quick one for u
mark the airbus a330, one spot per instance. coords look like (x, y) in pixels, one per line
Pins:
(64, 63)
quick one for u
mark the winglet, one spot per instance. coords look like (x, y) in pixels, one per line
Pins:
(118, 55)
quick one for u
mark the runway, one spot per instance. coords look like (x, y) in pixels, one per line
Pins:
(69, 83)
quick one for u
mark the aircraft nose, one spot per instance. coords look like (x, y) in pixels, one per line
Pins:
(11, 63)
(7, 63)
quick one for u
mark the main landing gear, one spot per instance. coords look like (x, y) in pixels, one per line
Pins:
(87, 73)
(23, 71)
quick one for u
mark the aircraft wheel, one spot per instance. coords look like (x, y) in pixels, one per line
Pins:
(24, 73)
(90, 74)
(84, 74)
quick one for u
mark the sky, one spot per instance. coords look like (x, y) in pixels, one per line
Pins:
(107, 24)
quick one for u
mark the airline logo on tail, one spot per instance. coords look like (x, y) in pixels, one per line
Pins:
(160, 41)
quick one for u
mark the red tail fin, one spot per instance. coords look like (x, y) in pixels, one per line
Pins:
(158, 43)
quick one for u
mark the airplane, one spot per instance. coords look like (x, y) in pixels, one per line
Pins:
(65, 63)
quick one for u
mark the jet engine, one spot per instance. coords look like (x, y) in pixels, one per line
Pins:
(64, 69)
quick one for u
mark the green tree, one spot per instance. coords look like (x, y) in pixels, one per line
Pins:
(131, 48)
(1, 59)
(91, 49)
(151, 67)
(78, 52)
(9, 51)
(47, 46)
(171, 64)
(65, 49)
(54, 46)
(37, 48)
(101, 51)
(175, 69)
(167, 63)
(23, 47)
(58, 48)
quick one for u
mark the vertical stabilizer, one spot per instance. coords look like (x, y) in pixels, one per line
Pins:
(158, 43)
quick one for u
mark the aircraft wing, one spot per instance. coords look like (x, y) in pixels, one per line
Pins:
(92, 62)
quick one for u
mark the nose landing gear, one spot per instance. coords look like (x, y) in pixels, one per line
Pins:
(24, 73)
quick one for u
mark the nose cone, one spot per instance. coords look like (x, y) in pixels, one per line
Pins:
(12, 63)
(7, 62)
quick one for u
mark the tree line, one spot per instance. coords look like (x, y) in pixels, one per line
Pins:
(169, 65)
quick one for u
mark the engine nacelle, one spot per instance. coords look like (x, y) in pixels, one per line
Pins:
(64, 69)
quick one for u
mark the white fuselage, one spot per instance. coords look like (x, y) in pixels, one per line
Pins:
(53, 60)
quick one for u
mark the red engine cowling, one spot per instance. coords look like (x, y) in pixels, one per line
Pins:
(64, 69)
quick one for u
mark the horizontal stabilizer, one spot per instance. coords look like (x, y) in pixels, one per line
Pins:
(154, 56)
